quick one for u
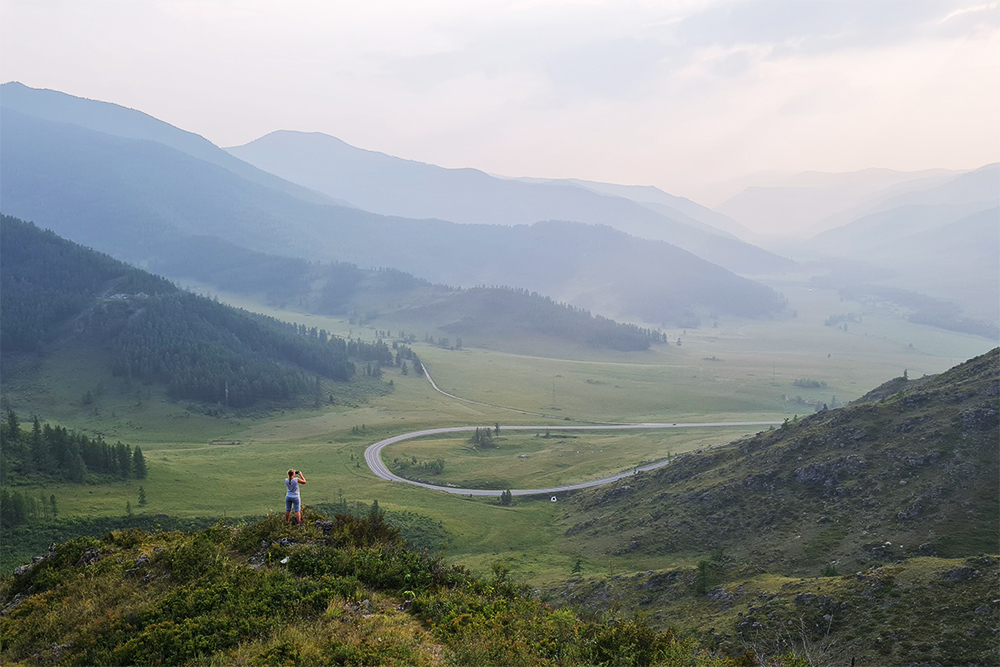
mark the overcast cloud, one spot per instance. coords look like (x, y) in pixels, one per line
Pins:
(682, 95)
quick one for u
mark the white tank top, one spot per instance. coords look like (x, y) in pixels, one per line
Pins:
(293, 486)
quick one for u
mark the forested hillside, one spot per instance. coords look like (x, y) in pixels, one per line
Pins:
(506, 311)
(201, 350)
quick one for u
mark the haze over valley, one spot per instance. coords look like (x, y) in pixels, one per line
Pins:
(669, 339)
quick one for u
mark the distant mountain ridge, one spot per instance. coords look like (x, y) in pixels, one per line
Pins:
(679, 208)
(812, 202)
(128, 123)
(135, 198)
(940, 240)
(389, 185)
(972, 191)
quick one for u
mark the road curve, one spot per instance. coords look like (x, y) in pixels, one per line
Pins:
(373, 455)
(439, 390)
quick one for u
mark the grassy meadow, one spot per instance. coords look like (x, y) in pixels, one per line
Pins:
(738, 370)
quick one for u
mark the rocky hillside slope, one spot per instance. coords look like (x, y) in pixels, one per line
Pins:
(868, 532)
(909, 469)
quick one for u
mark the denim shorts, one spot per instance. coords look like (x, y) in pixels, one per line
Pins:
(292, 504)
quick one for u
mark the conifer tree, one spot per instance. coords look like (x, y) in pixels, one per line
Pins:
(139, 463)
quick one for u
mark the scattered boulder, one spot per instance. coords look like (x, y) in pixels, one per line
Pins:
(13, 604)
(980, 419)
(959, 574)
(89, 557)
(879, 551)
(580, 527)
(721, 595)
(134, 571)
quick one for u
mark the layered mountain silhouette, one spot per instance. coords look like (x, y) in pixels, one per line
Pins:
(681, 208)
(136, 197)
(131, 124)
(813, 202)
(943, 240)
(393, 186)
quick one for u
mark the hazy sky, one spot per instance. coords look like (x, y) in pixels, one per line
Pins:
(680, 94)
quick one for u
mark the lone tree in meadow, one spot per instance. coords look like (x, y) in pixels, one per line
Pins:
(483, 437)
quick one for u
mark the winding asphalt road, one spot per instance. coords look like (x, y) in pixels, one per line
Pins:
(373, 455)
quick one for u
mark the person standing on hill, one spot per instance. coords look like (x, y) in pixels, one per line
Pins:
(293, 502)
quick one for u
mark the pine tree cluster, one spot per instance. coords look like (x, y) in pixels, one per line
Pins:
(61, 454)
